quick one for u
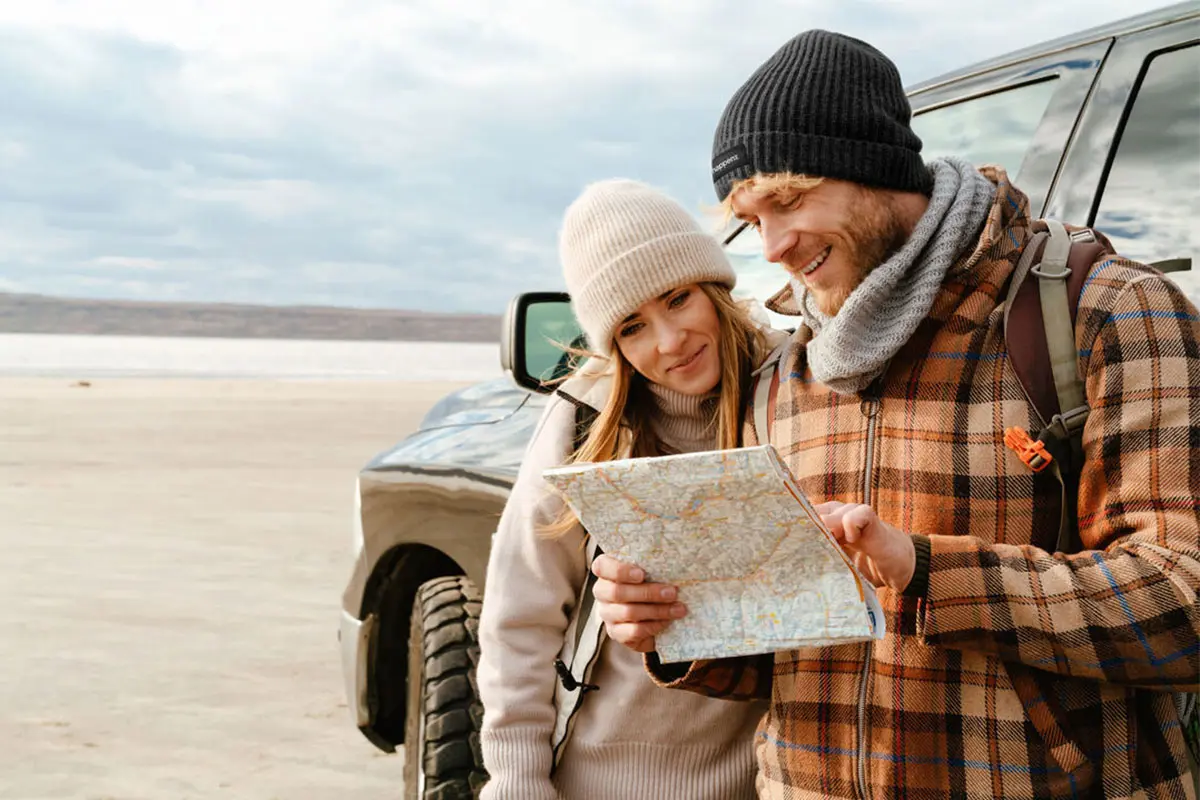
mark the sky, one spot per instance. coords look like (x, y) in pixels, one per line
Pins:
(413, 154)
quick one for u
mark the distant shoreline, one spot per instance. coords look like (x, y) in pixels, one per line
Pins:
(34, 313)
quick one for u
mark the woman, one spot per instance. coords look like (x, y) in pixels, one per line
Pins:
(566, 713)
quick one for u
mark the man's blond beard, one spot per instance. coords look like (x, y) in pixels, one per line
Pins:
(877, 234)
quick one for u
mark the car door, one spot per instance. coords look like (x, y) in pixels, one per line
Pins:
(1019, 113)
(1133, 171)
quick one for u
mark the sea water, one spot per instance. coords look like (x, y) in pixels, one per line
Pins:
(193, 357)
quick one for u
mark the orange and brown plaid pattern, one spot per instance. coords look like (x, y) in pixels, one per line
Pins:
(1020, 674)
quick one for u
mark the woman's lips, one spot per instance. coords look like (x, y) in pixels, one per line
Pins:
(689, 361)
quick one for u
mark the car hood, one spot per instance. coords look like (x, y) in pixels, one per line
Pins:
(482, 430)
(479, 404)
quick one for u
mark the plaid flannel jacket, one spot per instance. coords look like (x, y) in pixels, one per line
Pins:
(1021, 673)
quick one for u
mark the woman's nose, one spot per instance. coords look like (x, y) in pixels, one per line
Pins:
(670, 341)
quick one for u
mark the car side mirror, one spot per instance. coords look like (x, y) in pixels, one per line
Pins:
(537, 326)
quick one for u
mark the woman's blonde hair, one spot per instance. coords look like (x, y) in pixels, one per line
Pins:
(622, 428)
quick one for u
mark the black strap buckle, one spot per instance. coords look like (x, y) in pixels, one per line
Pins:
(568, 680)
(1066, 425)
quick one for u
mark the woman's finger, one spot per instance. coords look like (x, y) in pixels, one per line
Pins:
(607, 591)
(638, 612)
(609, 568)
(639, 637)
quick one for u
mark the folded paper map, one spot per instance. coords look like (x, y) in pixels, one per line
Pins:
(756, 567)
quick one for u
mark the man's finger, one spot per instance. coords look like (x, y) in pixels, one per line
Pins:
(828, 507)
(609, 568)
(640, 612)
(856, 520)
(834, 522)
(607, 591)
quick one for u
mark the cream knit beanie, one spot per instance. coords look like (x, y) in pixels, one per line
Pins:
(623, 243)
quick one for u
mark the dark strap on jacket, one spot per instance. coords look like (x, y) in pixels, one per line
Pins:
(1028, 355)
(585, 417)
(1026, 332)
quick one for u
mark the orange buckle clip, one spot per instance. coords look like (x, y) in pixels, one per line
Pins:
(1031, 452)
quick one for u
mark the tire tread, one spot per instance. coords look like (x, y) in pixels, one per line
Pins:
(453, 763)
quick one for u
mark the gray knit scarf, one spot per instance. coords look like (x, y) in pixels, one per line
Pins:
(850, 350)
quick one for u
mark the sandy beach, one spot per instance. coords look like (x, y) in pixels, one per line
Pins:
(173, 558)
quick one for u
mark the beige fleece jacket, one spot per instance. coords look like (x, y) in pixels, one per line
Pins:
(632, 739)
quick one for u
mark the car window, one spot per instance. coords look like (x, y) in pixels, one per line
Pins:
(993, 129)
(1151, 199)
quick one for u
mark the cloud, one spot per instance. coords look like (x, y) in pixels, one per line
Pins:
(412, 155)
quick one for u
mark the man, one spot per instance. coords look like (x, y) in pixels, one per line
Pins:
(1008, 670)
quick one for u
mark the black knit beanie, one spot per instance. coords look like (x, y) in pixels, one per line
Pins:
(824, 105)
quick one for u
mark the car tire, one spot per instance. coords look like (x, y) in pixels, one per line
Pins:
(442, 758)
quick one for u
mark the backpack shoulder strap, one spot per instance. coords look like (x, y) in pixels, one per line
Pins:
(1039, 330)
(585, 631)
(1059, 328)
(765, 392)
(1039, 317)
(585, 415)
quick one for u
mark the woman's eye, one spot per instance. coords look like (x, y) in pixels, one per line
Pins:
(630, 330)
(679, 299)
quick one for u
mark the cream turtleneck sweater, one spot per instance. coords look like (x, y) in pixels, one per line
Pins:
(684, 423)
(631, 739)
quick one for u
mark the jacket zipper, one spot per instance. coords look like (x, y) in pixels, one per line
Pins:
(870, 410)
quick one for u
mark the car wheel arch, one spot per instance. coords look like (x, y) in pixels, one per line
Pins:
(389, 596)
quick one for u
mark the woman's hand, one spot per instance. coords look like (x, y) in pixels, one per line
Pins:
(633, 612)
(884, 554)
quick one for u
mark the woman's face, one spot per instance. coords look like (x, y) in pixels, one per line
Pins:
(672, 340)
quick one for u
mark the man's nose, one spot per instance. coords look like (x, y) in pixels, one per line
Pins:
(777, 241)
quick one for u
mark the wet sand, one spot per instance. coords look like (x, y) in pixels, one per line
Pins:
(173, 558)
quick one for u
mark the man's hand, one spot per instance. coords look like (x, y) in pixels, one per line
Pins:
(633, 612)
(883, 554)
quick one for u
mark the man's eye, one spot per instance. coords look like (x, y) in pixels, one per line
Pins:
(790, 202)
(678, 300)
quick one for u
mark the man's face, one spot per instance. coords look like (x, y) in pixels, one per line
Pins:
(830, 237)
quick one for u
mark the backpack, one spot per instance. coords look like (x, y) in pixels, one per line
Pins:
(1040, 339)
